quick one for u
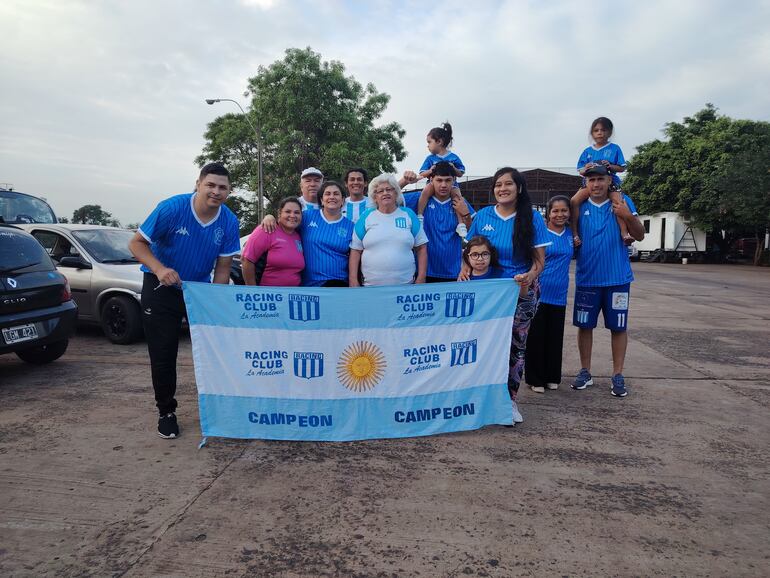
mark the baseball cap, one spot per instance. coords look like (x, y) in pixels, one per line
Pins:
(311, 171)
(597, 170)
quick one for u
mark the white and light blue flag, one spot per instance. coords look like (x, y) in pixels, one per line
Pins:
(341, 364)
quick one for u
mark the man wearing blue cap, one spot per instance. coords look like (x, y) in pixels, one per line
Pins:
(603, 275)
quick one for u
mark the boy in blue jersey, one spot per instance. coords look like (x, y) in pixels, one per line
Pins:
(182, 240)
(440, 224)
(603, 275)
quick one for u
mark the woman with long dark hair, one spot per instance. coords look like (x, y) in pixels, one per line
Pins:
(519, 235)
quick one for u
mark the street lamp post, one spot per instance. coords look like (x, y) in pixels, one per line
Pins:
(261, 192)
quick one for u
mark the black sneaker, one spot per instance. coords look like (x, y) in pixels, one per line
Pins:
(167, 426)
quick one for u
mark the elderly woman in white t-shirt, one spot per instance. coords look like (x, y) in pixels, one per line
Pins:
(386, 239)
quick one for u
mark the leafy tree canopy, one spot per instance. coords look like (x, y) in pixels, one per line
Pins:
(310, 114)
(94, 215)
(712, 168)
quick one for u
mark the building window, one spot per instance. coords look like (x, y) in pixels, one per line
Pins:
(646, 225)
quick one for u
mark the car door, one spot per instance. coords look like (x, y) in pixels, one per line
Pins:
(58, 245)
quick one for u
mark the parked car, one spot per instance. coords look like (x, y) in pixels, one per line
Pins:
(105, 277)
(16, 207)
(37, 312)
(236, 273)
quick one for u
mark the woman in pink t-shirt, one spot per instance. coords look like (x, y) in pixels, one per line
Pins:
(285, 260)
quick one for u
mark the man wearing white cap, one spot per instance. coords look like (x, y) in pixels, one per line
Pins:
(309, 185)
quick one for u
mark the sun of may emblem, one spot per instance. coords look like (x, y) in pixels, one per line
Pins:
(361, 366)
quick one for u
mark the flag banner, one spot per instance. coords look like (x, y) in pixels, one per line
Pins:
(341, 364)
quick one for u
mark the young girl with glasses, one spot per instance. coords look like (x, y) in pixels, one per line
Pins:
(481, 257)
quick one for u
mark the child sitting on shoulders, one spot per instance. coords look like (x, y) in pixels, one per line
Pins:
(606, 153)
(439, 140)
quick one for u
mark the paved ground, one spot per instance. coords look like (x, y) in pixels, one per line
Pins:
(672, 480)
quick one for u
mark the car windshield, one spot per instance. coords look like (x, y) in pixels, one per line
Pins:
(107, 245)
(20, 208)
(20, 253)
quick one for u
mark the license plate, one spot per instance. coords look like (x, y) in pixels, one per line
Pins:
(20, 333)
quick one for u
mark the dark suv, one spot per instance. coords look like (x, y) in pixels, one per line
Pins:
(37, 313)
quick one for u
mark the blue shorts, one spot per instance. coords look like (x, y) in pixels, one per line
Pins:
(613, 301)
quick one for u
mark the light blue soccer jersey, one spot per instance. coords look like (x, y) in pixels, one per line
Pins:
(450, 157)
(609, 152)
(439, 223)
(180, 240)
(602, 259)
(499, 230)
(554, 280)
(326, 247)
(354, 209)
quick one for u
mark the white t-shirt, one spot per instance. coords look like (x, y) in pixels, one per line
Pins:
(387, 241)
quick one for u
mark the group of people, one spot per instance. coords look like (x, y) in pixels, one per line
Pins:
(333, 235)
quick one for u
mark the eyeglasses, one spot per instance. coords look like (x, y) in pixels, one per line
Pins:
(483, 255)
(385, 190)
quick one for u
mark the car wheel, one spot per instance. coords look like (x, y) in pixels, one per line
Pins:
(121, 320)
(44, 353)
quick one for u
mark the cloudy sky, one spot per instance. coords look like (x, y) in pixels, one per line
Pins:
(102, 101)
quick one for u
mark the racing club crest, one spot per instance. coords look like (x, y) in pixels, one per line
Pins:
(304, 307)
(464, 352)
(308, 364)
(459, 304)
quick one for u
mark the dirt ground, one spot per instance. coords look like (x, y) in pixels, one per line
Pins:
(672, 480)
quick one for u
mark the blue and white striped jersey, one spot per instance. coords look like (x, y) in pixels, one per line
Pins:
(609, 152)
(602, 259)
(180, 240)
(307, 206)
(326, 245)
(499, 230)
(554, 280)
(354, 209)
(439, 223)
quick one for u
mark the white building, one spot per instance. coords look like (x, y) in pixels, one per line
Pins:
(670, 232)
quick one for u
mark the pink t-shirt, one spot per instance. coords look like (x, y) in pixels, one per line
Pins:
(285, 260)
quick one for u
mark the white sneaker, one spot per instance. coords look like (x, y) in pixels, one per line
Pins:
(462, 230)
(517, 418)
(552, 385)
(537, 388)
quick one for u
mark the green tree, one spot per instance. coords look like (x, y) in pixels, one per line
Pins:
(310, 114)
(94, 215)
(244, 208)
(713, 169)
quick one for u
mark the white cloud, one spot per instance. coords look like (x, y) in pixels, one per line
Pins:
(103, 101)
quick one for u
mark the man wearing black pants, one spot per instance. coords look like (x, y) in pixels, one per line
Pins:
(182, 240)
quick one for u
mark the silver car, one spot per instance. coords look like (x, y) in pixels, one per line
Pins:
(105, 278)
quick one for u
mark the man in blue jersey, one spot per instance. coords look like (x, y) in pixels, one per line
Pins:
(309, 184)
(182, 240)
(440, 224)
(603, 275)
(356, 180)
